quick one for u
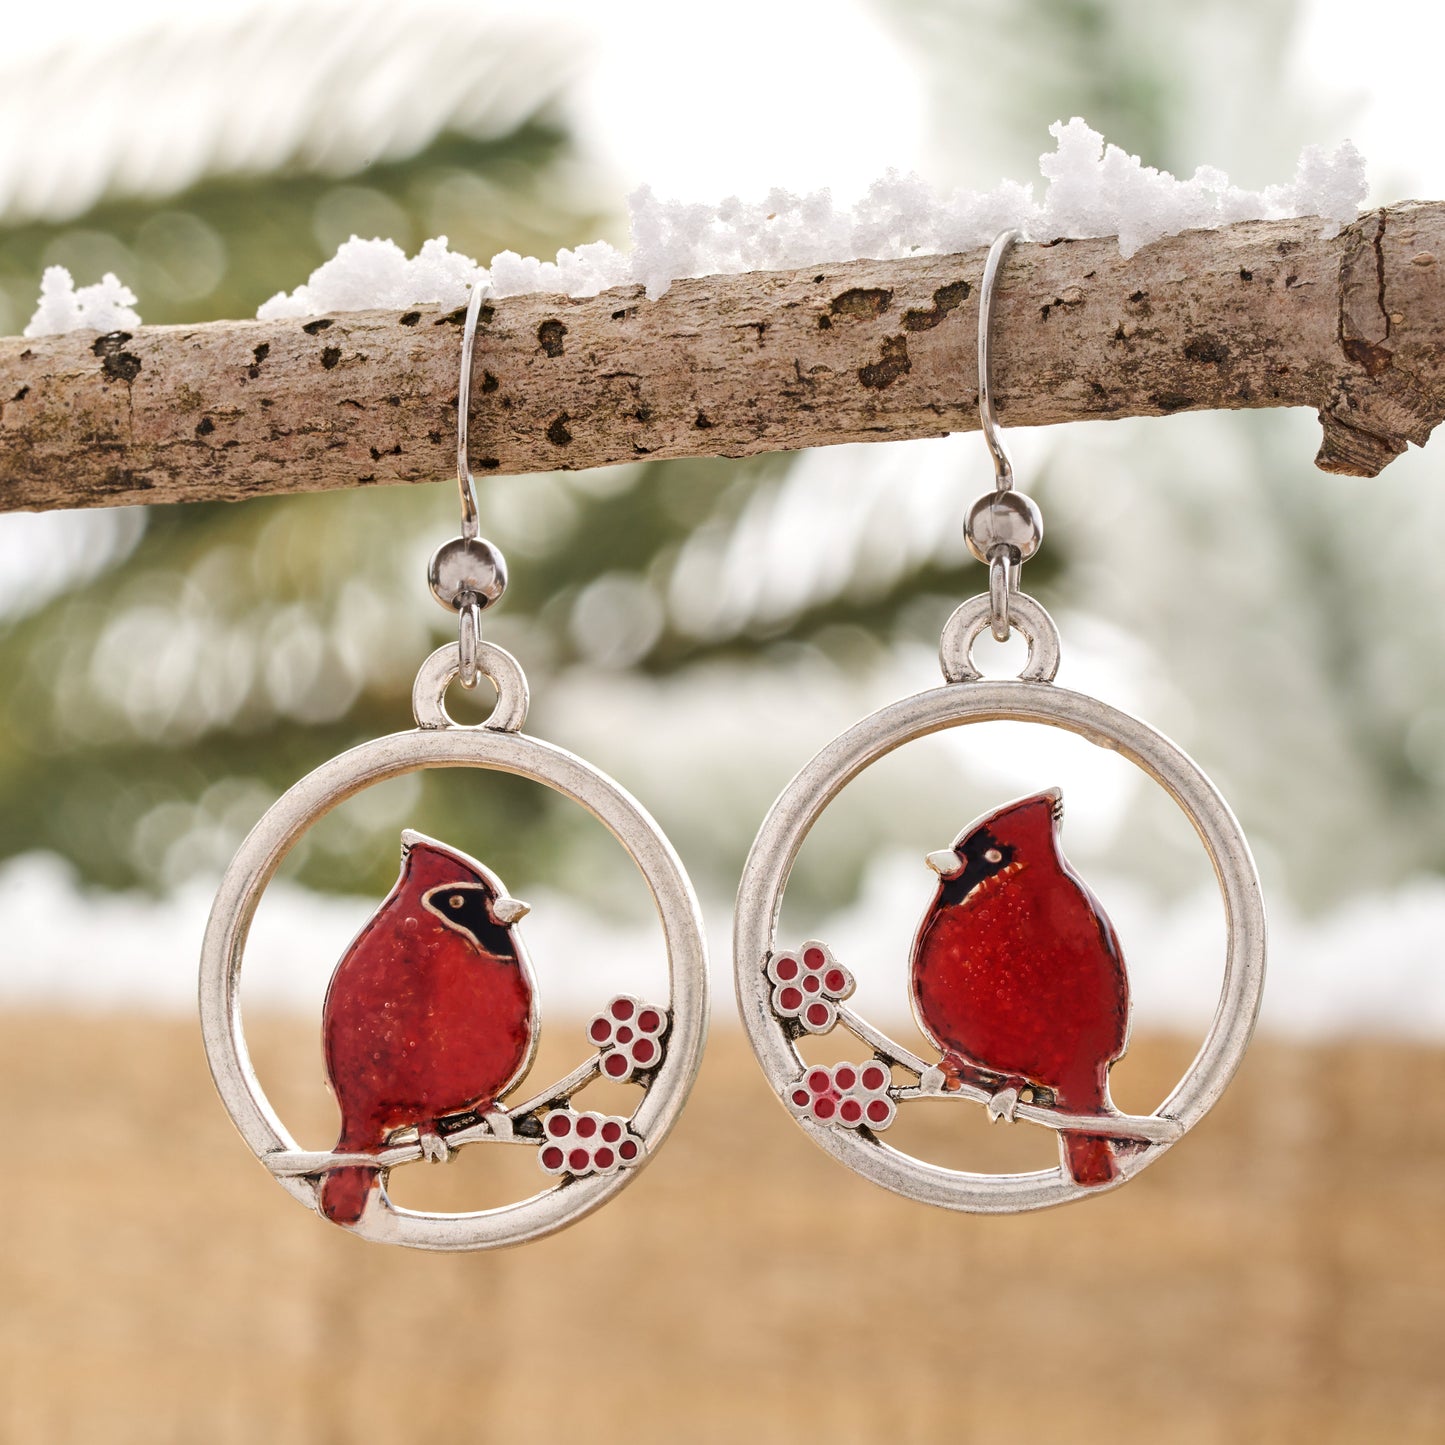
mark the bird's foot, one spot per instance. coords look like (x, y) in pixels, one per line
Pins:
(1002, 1105)
(499, 1121)
(1005, 1091)
(434, 1149)
(961, 1073)
(933, 1080)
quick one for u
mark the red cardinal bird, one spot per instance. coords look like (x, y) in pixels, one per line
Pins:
(1017, 971)
(430, 1012)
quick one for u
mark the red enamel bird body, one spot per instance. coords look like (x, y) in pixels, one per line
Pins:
(430, 1012)
(1017, 971)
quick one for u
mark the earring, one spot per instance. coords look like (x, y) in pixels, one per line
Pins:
(1016, 976)
(431, 1018)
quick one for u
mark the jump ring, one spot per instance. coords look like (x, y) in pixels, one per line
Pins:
(1002, 580)
(469, 626)
(966, 626)
(444, 666)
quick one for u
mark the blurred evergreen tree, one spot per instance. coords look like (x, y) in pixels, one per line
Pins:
(158, 705)
(221, 247)
(155, 708)
(161, 703)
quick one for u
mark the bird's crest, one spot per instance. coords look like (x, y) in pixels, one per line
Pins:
(430, 863)
(1021, 821)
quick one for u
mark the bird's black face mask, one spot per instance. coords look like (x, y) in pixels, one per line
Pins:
(472, 910)
(980, 856)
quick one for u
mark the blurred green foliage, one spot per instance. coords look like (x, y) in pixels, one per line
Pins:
(127, 786)
(161, 704)
(153, 710)
(220, 248)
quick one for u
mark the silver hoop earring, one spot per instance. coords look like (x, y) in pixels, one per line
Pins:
(432, 1015)
(1016, 976)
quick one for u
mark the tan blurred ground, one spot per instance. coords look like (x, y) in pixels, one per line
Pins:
(1279, 1277)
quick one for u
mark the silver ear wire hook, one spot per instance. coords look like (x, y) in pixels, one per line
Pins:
(468, 574)
(1004, 528)
(1002, 462)
(471, 527)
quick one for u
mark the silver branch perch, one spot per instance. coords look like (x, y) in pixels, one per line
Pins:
(497, 1125)
(1005, 1104)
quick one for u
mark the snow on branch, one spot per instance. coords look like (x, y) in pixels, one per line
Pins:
(1255, 314)
(1090, 188)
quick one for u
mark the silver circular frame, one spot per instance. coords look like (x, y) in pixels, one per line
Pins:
(493, 746)
(803, 801)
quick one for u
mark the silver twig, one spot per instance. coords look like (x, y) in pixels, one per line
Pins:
(496, 1125)
(932, 1084)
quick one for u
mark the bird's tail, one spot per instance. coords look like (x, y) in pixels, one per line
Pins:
(344, 1192)
(1089, 1158)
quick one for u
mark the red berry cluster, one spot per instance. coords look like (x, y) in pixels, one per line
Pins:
(808, 986)
(846, 1096)
(629, 1034)
(580, 1144)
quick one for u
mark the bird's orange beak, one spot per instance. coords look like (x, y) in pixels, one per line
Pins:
(945, 862)
(509, 910)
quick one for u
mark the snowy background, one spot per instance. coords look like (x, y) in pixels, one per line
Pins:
(700, 629)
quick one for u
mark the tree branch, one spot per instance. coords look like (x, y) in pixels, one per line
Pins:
(1260, 314)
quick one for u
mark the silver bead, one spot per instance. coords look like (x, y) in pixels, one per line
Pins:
(1009, 519)
(462, 567)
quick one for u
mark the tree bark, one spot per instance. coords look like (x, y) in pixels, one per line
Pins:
(1260, 314)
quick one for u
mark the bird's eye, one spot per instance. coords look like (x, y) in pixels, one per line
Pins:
(455, 901)
(993, 856)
